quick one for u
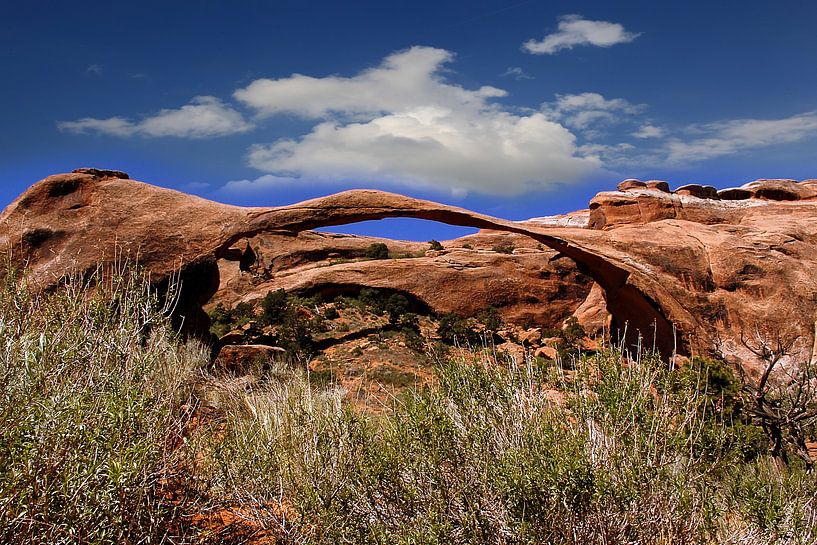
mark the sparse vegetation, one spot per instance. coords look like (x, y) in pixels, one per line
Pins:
(223, 320)
(435, 245)
(93, 393)
(506, 248)
(486, 457)
(98, 445)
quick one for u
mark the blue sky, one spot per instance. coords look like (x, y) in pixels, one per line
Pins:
(516, 109)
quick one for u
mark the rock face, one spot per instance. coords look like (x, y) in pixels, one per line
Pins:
(532, 285)
(691, 269)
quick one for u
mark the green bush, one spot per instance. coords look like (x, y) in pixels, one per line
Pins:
(454, 328)
(396, 306)
(274, 307)
(223, 320)
(491, 319)
(504, 248)
(377, 250)
(435, 245)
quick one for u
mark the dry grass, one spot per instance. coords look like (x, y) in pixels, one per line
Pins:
(95, 421)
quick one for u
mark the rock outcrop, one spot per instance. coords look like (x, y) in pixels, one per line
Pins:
(531, 285)
(692, 269)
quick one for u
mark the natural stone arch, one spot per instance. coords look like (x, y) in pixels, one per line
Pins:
(638, 318)
(85, 218)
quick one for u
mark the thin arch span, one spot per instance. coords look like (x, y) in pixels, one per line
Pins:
(639, 318)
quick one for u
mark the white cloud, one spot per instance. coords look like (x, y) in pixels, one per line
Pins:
(204, 117)
(516, 73)
(94, 70)
(258, 185)
(402, 122)
(574, 30)
(405, 80)
(730, 137)
(582, 110)
(649, 131)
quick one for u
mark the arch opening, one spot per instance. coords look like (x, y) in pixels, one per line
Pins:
(638, 320)
(408, 229)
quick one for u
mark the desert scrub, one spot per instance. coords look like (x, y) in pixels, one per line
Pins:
(91, 383)
(613, 451)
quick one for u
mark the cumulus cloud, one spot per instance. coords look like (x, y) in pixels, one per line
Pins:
(405, 80)
(258, 185)
(734, 136)
(205, 116)
(403, 122)
(574, 30)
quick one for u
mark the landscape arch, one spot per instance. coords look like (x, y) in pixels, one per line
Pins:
(638, 320)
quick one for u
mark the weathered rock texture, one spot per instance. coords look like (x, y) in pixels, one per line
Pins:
(694, 268)
(531, 286)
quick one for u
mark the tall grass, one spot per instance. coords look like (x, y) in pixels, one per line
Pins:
(91, 381)
(617, 451)
(95, 387)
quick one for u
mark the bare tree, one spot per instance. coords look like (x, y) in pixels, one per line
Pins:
(783, 400)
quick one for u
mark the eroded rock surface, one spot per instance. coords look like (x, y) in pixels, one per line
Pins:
(530, 285)
(687, 269)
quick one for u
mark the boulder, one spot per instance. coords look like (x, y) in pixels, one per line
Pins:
(631, 184)
(512, 351)
(241, 359)
(531, 336)
(699, 191)
(547, 352)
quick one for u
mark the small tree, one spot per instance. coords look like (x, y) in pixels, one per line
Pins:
(377, 250)
(453, 327)
(491, 319)
(274, 307)
(435, 245)
(396, 306)
(784, 406)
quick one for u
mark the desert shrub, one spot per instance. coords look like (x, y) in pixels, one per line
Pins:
(331, 313)
(410, 322)
(631, 450)
(377, 250)
(454, 328)
(224, 320)
(274, 307)
(396, 306)
(505, 248)
(91, 387)
(373, 299)
(484, 457)
(491, 319)
(435, 245)
(572, 332)
(468, 246)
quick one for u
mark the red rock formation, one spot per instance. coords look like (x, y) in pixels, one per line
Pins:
(533, 285)
(708, 268)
